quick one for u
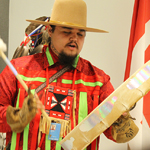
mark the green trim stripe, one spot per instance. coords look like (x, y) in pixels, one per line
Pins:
(58, 146)
(33, 79)
(13, 141)
(76, 61)
(49, 57)
(33, 91)
(83, 106)
(92, 84)
(26, 131)
(47, 143)
(25, 137)
(40, 79)
(14, 134)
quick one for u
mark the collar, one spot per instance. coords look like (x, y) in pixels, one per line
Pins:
(52, 58)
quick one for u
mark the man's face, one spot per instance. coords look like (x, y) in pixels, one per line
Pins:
(68, 41)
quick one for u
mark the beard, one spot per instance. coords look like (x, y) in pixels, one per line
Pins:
(66, 59)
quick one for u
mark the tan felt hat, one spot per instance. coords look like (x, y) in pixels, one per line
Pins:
(69, 13)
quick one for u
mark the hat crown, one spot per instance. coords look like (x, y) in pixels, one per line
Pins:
(69, 11)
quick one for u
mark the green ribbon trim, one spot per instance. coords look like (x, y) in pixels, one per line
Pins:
(14, 134)
(49, 57)
(25, 137)
(58, 146)
(13, 141)
(76, 61)
(26, 131)
(47, 143)
(33, 79)
(40, 79)
(83, 106)
(92, 84)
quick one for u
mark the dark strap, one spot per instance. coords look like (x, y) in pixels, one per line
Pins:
(52, 78)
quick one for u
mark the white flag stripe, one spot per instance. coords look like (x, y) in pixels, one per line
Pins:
(138, 56)
(139, 49)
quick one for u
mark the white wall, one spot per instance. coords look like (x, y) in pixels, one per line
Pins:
(107, 51)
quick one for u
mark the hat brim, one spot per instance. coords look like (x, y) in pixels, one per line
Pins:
(64, 24)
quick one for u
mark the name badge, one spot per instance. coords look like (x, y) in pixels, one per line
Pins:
(54, 131)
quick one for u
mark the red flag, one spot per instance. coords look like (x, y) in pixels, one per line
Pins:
(140, 35)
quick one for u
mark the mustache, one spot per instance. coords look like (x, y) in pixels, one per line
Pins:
(72, 42)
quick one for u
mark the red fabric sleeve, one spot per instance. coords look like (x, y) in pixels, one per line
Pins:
(7, 96)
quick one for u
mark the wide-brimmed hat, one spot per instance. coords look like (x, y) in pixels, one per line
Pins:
(69, 13)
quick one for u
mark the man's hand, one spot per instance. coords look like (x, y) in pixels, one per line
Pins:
(124, 128)
(39, 104)
(19, 118)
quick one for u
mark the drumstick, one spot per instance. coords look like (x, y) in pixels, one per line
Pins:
(3, 49)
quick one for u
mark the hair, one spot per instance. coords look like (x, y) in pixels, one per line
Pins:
(53, 27)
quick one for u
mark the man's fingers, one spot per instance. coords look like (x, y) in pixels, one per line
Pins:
(39, 104)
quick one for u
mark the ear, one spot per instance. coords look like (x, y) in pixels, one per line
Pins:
(49, 30)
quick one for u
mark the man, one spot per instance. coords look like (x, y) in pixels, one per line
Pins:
(67, 99)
